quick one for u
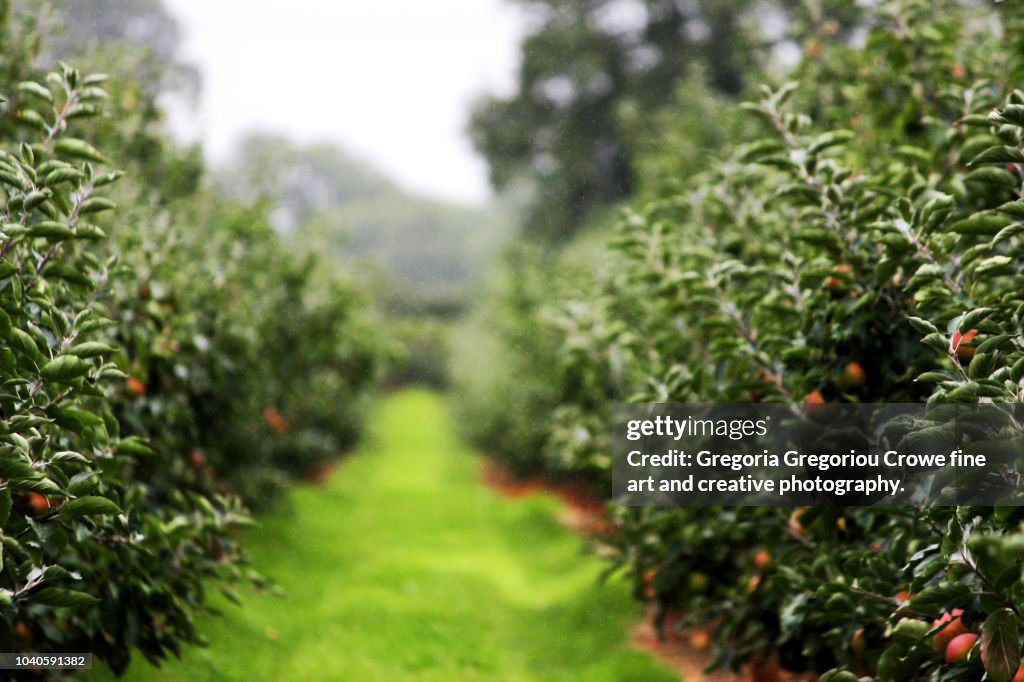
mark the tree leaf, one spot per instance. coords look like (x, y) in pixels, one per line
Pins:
(65, 368)
(54, 231)
(33, 88)
(1000, 649)
(1000, 154)
(91, 505)
(133, 446)
(59, 596)
(80, 149)
(1012, 114)
(5, 506)
(91, 349)
(95, 205)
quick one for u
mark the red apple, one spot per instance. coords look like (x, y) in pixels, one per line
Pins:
(22, 631)
(135, 386)
(853, 375)
(953, 626)
(834, 283)
(700, 640)
(752, 583)
(960, 646)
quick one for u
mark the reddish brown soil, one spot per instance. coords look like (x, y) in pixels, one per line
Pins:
(499, 478)
(582, 511)
(677, 649)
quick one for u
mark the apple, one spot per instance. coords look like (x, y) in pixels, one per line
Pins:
(960, 646)
(814, 398)
(274, 418)
(700, 640)
(39, 504)
(752, 583)
(135, 386)
(22, 631)
(32, 504)
(1019, 675)
(648, 580)
(762, 559)
(953, 626)
(853, 375)
(903, 597)
(834, 283)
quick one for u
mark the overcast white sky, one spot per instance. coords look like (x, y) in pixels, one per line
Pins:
(390, 80)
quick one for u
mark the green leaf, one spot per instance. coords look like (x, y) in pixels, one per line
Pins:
(59, 596)
(95, 205)
(68, 174)
(54, 231)
(980, 223)
(14, 468)
(1000, 154)
(1013, 208)
(133, 446)
(79, 149)
(1008, 232)
(921, 325)
(69, 456)
(1000, 648)
(830, 139)
(759, 149)
(65, 368)
(971, 318)
(995, 265)
(90, 505)
(1012, 114)
(993, 175)
(91, 349)
(31, 119)
(934, 377)
(70, 275)
(35, 89)
(5, 506)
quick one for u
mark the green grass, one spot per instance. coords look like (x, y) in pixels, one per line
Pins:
(404, 567)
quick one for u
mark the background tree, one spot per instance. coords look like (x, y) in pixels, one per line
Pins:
(587, 59)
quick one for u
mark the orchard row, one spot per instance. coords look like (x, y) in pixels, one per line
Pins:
(166, 363)
(859, 238)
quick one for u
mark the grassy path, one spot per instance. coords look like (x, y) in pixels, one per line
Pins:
(404, 567)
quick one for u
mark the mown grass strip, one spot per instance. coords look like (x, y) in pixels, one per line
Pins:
(404, 567)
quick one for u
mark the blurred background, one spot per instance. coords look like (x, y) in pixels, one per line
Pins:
(412, 143)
